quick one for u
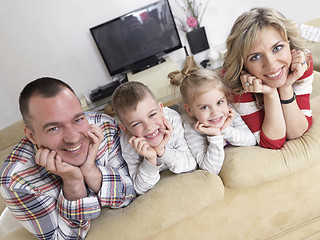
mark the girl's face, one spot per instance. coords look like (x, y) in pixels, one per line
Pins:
(209, 108)
(146, 121)
(270, 58)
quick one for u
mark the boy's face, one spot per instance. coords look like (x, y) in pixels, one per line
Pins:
(146, 121)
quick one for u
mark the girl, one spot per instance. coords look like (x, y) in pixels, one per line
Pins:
(271, 76)
(212, 123)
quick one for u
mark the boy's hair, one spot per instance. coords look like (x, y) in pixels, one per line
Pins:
(194, 81)
(243, 36)
(46, 87)
(127, 96)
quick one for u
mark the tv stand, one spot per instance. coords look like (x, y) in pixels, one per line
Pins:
(156, 78)
(147, 63)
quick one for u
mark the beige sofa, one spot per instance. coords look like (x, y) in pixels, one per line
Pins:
(259, 194)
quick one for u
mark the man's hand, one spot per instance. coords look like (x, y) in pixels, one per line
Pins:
(96, 136)
(160, 149)
(73, 182)
(89, 169)
(143, 149)
(53, 163)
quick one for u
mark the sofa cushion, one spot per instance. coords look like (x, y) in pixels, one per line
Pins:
(11, 135)
(250, 166)
(314, 48)
(173, 198)
(315, 85)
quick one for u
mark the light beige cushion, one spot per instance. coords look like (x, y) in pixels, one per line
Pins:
(11, 135)
(314, 47)
(250, 166)
(21, 234)
(173, 198)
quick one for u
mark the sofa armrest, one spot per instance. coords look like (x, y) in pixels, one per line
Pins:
(11, 134)
(250, 166)
(173, 198)
(314, 47)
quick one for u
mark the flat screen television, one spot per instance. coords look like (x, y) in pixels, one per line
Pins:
(138, 39)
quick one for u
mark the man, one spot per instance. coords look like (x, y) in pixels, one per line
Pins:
(70, 165)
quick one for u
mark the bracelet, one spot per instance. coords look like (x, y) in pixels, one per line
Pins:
(289, 100)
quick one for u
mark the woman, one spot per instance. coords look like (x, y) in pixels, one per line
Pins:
(271, 76)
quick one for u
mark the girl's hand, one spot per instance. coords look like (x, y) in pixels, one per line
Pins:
(253, 84)
(298, 67)
(229, 119)
(143, 149)
(210, 131)
(160, 149)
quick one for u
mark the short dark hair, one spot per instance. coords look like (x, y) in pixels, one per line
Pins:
(128, 95)
(46, 87)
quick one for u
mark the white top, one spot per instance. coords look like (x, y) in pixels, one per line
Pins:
(209, 150)
(177, 156)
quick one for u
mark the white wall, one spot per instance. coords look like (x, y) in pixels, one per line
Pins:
(51, 38)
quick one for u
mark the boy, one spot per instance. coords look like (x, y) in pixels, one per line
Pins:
(153, 136)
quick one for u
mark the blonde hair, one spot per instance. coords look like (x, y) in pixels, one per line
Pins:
(243, 36)
(194, 81)
(128, 95)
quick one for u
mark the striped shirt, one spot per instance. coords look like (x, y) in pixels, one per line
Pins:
(177, 156)
(35, 197)
(209, 150)
(254, 116)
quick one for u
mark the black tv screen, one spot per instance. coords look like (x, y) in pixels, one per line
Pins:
(137, 40)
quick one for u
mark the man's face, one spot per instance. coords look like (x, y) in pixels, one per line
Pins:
(59, 124)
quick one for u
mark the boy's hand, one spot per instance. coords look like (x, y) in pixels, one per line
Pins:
(167, 132)
(210, 131)
(143, 149)
(229, 119)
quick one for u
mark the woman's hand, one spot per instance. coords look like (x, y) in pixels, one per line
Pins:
(298, 67)
(251, 83)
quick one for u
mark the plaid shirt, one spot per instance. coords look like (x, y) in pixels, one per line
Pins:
(35, 196)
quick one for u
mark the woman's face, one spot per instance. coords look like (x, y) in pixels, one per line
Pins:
(270, 58)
